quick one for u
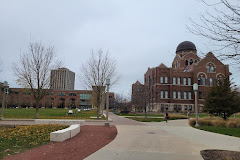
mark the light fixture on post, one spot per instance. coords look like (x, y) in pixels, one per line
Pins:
(107, 84)
(195, 89)
(5, 91)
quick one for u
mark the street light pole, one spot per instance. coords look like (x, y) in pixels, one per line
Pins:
(195, 89)
(108, 84)
(5, 84)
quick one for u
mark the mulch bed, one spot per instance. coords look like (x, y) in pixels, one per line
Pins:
(89, 140)
(220, 155)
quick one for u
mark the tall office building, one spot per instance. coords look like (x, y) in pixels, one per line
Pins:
(62, 79)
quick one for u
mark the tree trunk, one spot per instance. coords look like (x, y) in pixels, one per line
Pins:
(37, 107)
(145, 113)
(224, 116)
(98, 110)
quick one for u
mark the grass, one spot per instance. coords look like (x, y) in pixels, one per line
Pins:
(131, 114)
(222, 130)
(22, 138)
(147, 120)
(48, 114)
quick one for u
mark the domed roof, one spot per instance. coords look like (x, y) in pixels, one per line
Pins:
(186, 45)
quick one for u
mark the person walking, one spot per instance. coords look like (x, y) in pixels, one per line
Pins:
(166, 116)
(188, 115)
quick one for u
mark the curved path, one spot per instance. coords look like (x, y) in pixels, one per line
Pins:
(174, 140)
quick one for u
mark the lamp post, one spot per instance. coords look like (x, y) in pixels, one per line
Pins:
(108, 84)
(5, 91)
(195, 89)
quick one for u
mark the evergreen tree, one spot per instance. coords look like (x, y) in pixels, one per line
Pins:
(222, 99)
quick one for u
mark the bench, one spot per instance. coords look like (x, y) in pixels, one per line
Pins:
(64, 134)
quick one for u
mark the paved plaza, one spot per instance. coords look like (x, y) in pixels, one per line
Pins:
(174, 140)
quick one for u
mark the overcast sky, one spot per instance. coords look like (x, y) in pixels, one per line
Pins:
(138, 33)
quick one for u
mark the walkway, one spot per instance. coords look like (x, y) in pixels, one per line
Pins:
(174, 140)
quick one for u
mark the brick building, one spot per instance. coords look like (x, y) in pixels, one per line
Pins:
(20, 97)
(62, 79)
(171, 88)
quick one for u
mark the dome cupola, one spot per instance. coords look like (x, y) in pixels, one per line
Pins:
(186, 45)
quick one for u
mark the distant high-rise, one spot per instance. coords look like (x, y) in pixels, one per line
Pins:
(62, 79)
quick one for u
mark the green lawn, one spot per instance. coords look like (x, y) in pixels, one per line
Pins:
(222, 130)
(22, 138)
(149, 115)
(48, 114)
(147, 120)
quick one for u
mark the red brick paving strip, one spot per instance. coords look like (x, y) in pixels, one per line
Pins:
(89, 140)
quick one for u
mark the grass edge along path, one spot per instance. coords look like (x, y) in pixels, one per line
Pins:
(221, 130)
(22, 138)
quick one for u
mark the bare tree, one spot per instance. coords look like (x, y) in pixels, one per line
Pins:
(33, 70)
(95, 71)
(121, 102)
(221, 27)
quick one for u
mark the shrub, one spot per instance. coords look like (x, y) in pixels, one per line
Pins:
(216, 121)
(176, 116)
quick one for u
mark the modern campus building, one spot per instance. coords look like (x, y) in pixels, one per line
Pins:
(171, 88)
(62, 79)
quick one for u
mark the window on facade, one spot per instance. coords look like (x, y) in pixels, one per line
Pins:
(161, 94)
(161, 80)
(85, 96)
(16, 92)
(179, 107)
(185, 107)
(70, 93)
(166, 106)
(190, 107)
(174, 94)
(29, 93)
(63, 93)
(166, 79)
(210, 68)
(189, 95)
(59, 93)
(179, 94)
(185, 81)
(191, 62)
(24, 93)
(177, 64)
(185, 95)
(210, 82)
(175, 107)
(201, 79)
(189, 81)
(174, 80)
(179, 80)
(166, 94)
(186, 62)
(74, 94)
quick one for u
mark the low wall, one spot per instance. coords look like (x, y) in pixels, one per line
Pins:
(64, 134)
(59, 121)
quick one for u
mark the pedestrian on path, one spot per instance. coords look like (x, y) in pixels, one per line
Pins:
(188, 115)
(166, 116)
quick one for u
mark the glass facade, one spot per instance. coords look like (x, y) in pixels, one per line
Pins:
(85, 96)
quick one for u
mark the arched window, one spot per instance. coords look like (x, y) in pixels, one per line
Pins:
(177, 64)
(201, 79)
(220, 76)
(186, 62)
(191, 61)
(210, 68)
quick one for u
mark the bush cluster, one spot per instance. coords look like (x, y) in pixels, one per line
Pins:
(217, 122)
(175, 116)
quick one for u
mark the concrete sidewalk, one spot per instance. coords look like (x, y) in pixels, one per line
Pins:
(174, 140)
